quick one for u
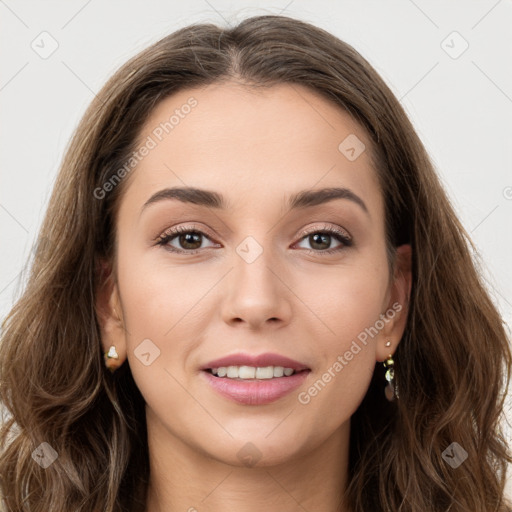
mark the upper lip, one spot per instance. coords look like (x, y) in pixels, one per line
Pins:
(260, 360)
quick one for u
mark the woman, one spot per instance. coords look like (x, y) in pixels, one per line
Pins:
(248, 233)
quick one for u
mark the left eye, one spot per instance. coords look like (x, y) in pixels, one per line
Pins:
(324, 238)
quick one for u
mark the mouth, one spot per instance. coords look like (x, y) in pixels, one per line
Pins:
(254, 379)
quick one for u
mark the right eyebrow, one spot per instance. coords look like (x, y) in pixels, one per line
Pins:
(189, 195)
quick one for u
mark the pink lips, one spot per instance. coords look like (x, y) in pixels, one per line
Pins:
(254, 391)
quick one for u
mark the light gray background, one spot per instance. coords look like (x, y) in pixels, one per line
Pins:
(461, 107)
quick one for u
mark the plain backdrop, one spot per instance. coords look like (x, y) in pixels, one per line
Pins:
(449, 63)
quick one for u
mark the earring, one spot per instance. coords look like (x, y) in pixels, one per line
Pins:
(391, 390)
(112, 359)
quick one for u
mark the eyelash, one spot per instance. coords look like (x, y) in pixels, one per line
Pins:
(341, 236)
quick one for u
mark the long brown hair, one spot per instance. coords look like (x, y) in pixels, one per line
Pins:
(453, 364)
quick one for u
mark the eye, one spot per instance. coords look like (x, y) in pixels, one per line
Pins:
(188, 238)
(321, 239)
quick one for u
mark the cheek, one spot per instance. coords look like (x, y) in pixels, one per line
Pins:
(347, 305)
(348, 300)
(167, 304)
(160, 305)
(157, 294)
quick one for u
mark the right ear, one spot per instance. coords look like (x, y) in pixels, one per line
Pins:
(109, 314)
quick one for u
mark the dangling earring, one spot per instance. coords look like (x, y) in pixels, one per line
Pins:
(391, 390)
(112, 359)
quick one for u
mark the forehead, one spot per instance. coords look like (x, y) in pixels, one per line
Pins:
(259, 143)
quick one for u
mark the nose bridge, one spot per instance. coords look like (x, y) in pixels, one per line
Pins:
(253, 262)
(256, 294)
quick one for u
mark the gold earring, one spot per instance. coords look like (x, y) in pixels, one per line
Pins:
(112, 359)
(391, 390)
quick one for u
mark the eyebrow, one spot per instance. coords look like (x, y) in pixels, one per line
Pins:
(211, 199)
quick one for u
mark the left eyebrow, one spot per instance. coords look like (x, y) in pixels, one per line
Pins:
(211, 199)
(308, 198)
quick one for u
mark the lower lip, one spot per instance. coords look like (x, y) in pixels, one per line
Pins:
(255, 392)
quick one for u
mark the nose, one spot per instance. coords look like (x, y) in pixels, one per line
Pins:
(257, 294)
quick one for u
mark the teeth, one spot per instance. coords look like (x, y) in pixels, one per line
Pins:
(250, 372)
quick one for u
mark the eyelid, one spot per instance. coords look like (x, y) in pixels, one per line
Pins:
(326, 227)
(176, 230)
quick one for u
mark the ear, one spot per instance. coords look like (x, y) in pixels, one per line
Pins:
(395, 315)
(109, 314)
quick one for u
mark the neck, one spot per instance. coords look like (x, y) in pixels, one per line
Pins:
(185, 479)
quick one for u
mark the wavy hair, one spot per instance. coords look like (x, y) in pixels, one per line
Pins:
(453, 363)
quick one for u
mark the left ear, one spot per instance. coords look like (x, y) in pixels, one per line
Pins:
(398, 304)
(108, 307)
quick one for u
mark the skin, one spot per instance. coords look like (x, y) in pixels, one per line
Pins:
(255, 148)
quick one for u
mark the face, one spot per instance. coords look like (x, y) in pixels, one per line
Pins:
(309, 282)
